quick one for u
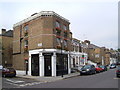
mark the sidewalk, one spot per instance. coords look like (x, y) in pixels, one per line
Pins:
(49, 79)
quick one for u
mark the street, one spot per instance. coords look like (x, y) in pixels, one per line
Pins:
(106, 79)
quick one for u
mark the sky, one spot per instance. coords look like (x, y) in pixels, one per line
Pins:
(94, 20)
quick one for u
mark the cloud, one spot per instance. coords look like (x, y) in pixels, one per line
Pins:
(95, 20)
(64, 1)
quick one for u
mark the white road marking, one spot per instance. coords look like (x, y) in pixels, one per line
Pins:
(12, 83)
(30, 84)
(116, 78)
(18, 83)
(15, 81)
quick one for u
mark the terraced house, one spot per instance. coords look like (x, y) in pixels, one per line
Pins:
(42, 45)
(6, 47)
(78, 57)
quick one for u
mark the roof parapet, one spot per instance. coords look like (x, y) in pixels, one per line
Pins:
(38, 15)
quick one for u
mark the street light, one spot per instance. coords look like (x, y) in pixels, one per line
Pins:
(61, 58)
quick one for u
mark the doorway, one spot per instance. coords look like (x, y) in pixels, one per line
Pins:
(47, 65)
(35, 65)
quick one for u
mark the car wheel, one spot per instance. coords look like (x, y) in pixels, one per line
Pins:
(95, 72)
(91, 73)
(81, 74)
(4, 75)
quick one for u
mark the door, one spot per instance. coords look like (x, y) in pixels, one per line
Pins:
(35, 65)
(47, 61)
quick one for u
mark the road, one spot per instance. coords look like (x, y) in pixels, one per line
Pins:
(101, 80)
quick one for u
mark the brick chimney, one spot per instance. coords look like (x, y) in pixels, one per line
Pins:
(2, 31)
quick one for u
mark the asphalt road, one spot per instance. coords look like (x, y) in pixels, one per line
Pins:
(101, 80)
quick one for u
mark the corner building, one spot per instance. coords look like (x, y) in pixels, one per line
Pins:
(42, 45)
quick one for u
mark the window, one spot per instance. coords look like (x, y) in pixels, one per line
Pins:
(26, 42)
(65, 43)
(26, 27)
(64, 27)
(65, 34)
(58, 41)
(58, 33)
(57, 24)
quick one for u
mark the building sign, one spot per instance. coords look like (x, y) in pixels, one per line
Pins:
(39, 44)
(47, 54)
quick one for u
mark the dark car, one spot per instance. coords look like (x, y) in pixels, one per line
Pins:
(118, 63)
(112, 66)
(104, 68)
(88, 69)
(118, 72)
(8, 72)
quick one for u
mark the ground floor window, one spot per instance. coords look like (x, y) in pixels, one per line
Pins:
(62, 64)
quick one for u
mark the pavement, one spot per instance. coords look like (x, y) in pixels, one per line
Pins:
(49, 79)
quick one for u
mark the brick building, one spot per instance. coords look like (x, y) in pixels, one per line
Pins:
(99, 55)
(6, 47)
(42, 45)
(78, 57)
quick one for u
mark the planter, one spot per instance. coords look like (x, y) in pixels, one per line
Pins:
(26, 49)
(57, 28)
(58, 46)
(58, 36)
(25, 33)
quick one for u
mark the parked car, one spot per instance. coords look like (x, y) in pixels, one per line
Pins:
(112, 66)
(104, 68)
(8, 72)
(98, 69)
(88, 69)
(118, 72)
(118, 63)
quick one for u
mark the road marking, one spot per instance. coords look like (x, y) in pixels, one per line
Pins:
(15, 81)
(30, 84)
(12, 83)
(18, 83)
(116, 78)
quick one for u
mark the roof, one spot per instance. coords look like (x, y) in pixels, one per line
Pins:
(36, 15)
(8, 33)
(89, 46)
(92, 46)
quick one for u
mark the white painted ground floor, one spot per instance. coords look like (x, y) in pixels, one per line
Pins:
(52, 62)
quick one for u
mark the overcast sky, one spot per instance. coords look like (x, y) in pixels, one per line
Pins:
(95, 20)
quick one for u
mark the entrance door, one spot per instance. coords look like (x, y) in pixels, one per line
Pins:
(73, 62)
(47, 60)
(35, 65)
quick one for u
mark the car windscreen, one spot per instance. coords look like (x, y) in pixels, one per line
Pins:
(86, 66)
(101, 66)
(11, 69)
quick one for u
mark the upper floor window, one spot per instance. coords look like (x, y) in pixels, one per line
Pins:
(65, 42)
(57, 24)
(59, 41)
(65, 34)
(26, 27)
(26, 42)
(58, 33)
(64, 27)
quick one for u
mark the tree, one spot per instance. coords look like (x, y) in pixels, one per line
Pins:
(119, 49)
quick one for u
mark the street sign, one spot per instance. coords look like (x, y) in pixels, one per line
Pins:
(39, 44)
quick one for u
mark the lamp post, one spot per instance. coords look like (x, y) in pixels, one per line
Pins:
(61, 59)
